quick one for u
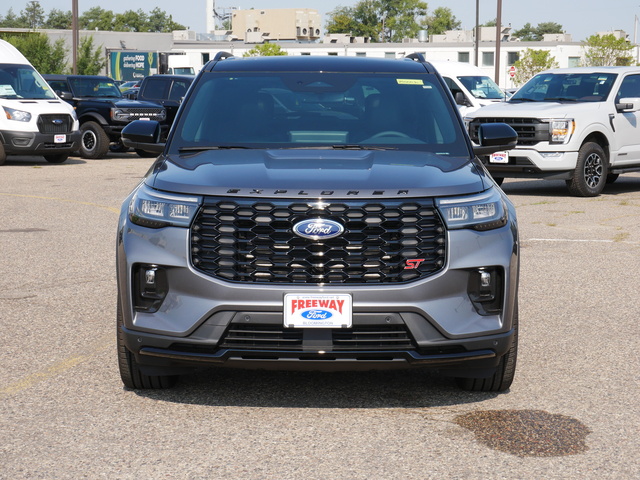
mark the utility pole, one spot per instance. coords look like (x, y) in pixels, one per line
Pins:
(74, 34)
(477, 32)
(498, 39)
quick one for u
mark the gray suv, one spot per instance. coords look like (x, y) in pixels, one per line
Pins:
(318, 213)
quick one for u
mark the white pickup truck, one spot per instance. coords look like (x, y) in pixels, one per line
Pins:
(581, 125)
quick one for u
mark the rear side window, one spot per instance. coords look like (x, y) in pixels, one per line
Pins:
(156, 88)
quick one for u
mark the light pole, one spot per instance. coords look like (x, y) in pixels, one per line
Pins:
(498, 39)
(476, 46)
(74, 34)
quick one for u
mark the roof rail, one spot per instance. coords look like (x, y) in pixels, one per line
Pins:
(222, 56)
(416, 57)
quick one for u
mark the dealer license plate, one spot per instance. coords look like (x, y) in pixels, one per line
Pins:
(317, 311)
(59, 139)
(499, 157)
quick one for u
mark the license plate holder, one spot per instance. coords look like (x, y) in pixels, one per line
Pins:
(302, 310)
(499, 157)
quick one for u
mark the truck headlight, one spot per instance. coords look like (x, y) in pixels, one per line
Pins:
(484, 211)
(153, 209)
(560, 130)
(119, 115)
(17, 115)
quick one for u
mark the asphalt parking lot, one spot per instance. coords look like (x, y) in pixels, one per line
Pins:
(573, 410)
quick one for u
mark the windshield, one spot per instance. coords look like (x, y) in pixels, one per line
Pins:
(22, 81)
(319, 110)
(482, 87)
(94, 87)
(566, 87)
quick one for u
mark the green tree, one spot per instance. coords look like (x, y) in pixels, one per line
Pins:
(531, 63)
(265, 50)
(131, 21)
(13, 21)
(159, 21)
(91, 60)
(607, 50)
(33, 15)
(45, 57)
(96, 18)
(381, 20)
(528, 33)
(442, 20)
(59, 19)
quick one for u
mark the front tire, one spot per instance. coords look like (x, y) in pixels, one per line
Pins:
(58, 158)
(590, 176)
(94, 142)
(130, 372)
(502, 379)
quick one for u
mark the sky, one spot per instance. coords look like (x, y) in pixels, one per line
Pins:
(580, 19)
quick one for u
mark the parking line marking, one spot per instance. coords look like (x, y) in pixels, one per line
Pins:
(578, 240)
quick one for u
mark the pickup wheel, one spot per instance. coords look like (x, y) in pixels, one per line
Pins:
(506, 370)
(590, 175)
(94, 142)
(130, 372)
(58, 158)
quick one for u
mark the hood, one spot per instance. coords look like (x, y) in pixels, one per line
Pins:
(536, 109)
(41, 106)
(317, 173)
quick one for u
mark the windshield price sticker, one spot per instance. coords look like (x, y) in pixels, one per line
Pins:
(317, 311)
(499, 157)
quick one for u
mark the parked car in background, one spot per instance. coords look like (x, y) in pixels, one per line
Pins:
(580, 125)
(102, 110)
(166, 90)
(34, 120)
(323, 213)
(127, 85)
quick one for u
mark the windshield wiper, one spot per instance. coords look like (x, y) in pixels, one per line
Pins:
(522, 99)
(211, 147)
(560, 99)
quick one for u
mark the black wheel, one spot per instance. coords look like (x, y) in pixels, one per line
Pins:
(130, 373)
(590, 175)
(505, 372)
(3, 155)
(94, 142)
(143, 154)
(58, 158)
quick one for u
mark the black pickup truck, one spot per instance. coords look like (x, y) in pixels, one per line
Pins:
(102, 110)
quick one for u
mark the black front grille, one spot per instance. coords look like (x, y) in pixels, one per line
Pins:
(276, 337)
(52, 123)
(245, 240)
(530, 130)
(141, 113)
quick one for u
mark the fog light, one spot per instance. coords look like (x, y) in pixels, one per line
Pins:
(485, 289)
(150, 287)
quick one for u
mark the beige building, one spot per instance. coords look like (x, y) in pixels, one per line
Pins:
(255, 26)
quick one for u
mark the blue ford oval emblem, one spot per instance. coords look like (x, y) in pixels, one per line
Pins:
(317, 314)
(318, 229)
(57, 121)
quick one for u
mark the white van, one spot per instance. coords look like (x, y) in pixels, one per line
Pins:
(469, 85)
(34, 121)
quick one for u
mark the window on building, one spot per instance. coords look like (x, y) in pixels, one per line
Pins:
(361, 54)
(487, 59)
(463, 57)
(512, 58)
(389, 54)
(333, 53)
(574, 62)
(205, 58)
(305, 53)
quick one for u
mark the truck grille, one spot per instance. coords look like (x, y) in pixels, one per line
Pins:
(139, 113)
(52, 123)
(530, 130)
(245, 240)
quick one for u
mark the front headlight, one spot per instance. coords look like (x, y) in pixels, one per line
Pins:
(484, 211)
(119, 115)
(17, 115)
(153, 209)
(560, 130)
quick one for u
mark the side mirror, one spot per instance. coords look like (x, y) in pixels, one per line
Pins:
(143, 135)
(461, 99)
(628, 105)
(495, 137)
(64, 95)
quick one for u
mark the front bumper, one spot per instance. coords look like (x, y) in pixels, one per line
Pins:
(527, 163)
(35, 143)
